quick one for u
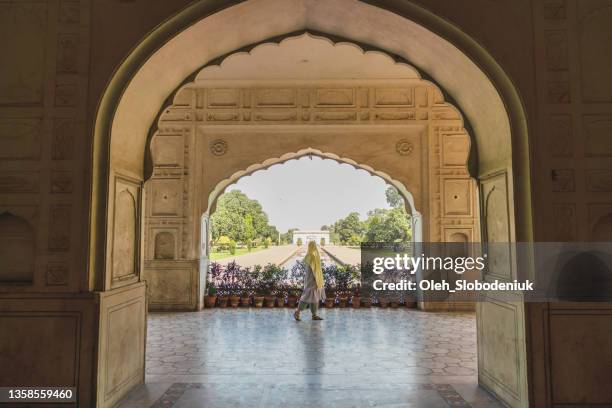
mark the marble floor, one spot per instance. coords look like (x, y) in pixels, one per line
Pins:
(354, 358)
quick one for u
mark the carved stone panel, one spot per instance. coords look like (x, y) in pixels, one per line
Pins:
(457, 197)
(168, 150)
(57, 274)
(599, 181)
(62, 145)
(560, 136)
(598, 138)
(17, 249)
(596, 56)
(563, 180)
(67, 53)
(166, 197)
(555, 9)
(20, 138)
(61, 182)
(165, 245)
(59, 228)
(455, 150)
(565, 224)
(125, 228)
(557, 58)
(69, 12)
(21, 80)
(19, 182)
(497, 225)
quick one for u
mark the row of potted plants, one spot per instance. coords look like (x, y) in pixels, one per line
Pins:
(274, 286)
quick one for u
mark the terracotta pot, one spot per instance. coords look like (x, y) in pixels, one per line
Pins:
(329, 302)
(366, 302)
(382, 302)
(292, 301)
(209, 301)
(280, 301)
(234, 301)
(411, 303)
(222, 301)
(342, 301)
(258, 301)
(356, 302)
(245, 301)
(269, 301)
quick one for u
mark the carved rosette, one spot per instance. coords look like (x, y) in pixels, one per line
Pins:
(404, 147)
(218, 147)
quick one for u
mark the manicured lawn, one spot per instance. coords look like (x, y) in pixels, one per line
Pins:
(215, 256)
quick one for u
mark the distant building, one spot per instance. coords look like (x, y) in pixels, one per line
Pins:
(307, 236)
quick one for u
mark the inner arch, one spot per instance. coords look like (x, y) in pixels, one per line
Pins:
(223, 184)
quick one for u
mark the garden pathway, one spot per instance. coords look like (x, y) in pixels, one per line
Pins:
(354, 358)
(274, 254)
(346, 255)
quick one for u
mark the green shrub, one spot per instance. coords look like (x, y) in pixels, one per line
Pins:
(232, 247)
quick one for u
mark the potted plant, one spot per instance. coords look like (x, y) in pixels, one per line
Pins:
(222, 297)
(257, 286)
(246, 286)
(383, 300)
(214, 273)
(266, 285)
(211, 295)
(356, 298)
(329, 276)
(295, 281)
(343, 279)
(279, 288)
(232, 280)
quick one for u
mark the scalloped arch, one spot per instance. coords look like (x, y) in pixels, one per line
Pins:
(223, 184)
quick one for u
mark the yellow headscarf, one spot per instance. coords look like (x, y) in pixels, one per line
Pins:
(313, 259)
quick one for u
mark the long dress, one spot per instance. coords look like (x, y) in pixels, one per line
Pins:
(311, 293)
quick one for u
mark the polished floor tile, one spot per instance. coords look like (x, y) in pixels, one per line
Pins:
(354, 358)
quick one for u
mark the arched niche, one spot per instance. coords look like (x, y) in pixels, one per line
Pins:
(17, 250)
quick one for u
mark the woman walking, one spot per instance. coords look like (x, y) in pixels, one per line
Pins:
(313, 291)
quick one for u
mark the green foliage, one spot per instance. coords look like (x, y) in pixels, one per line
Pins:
(349, 227)
(354, 240)
(394, 198)
(388, 226)
(322, 242)
(232, 247)
(211, 289)
(240, 218)
(287, 237)
(299, 242)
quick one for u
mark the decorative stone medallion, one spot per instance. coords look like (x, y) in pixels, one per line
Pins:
(404, 147)
(218, 147)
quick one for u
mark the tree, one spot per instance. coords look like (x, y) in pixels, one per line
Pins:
(391, 226)
(287, 237)
(349, 226)
(240, 218)
(223, 242)
(394, 198)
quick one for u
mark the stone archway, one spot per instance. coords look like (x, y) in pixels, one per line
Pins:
(469, 74)
(301, 93)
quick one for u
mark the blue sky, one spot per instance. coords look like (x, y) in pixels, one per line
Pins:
(307, 193)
